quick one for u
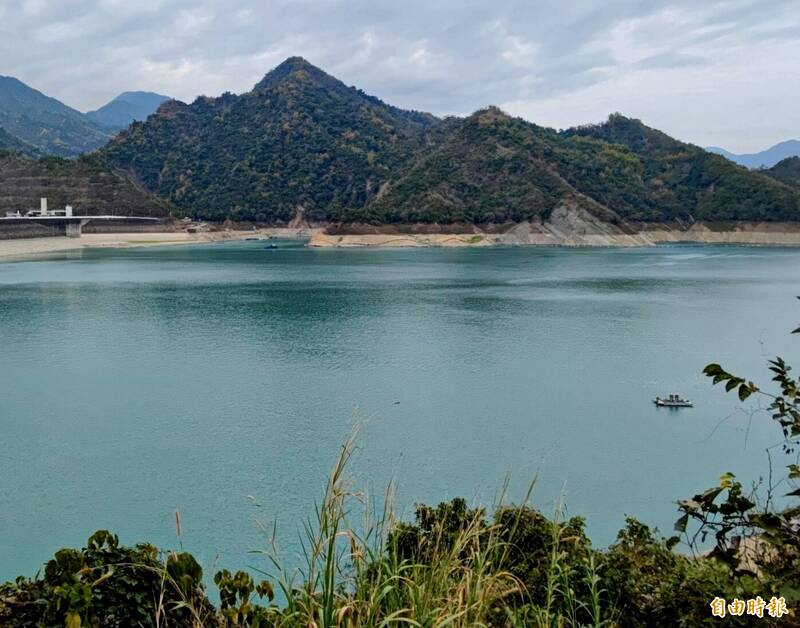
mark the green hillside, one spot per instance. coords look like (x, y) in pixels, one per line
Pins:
(11, 144)
(300, 141)
(302, 144)
(493, 168)
(786, 171)
(645, 174)
(489, 168)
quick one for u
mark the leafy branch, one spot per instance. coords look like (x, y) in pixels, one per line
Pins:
(750, 540)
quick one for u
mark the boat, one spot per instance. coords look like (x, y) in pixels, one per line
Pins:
(673, 401)
(271, 246)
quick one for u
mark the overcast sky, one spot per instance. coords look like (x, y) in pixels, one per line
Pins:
(725, 73)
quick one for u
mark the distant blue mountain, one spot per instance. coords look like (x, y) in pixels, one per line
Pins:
(126, 108)
(46, 123)
(33, 123)
(764, 159)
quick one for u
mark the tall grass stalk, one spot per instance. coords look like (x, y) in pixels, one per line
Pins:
(354, 577)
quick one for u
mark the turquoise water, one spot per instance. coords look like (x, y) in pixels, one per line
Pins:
(220, 380)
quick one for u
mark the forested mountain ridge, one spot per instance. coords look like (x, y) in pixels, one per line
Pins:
(300, 141)
(303, 144)
(488, 168)
(648, 175)
(786, 171)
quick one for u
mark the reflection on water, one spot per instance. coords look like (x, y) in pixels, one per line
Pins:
(135, 382)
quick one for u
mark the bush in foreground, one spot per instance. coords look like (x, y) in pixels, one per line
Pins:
(451, 567)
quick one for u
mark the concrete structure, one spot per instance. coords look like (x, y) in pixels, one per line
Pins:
(73, 224)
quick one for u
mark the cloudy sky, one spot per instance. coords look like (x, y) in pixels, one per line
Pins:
(710, 72)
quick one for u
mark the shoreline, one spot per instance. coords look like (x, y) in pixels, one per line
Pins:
(566, 226)
(33, 248)
(632, 240)
(573, 235)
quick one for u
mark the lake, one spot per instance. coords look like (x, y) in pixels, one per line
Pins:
(220, 380)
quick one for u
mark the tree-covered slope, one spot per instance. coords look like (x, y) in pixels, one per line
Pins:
(644, 174)
(46, 123)
(299, 142)
(86, 183)
(489, 168)
(786, 171)
(494, 168)
(12, 144)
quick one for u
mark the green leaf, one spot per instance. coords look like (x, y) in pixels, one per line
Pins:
(680, 524)
(744, 392)
(712, 369)
(769, 522)
(733, 383)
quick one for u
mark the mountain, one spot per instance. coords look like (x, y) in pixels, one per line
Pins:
(303, 144)
(126, 108)
(489, 168)
(764, 159)
(86, 183)
(787, 171)
(494, 168)
(45, 123)
(644, 174)
(12, 144)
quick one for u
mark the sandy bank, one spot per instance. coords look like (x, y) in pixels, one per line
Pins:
(32, 247)
(570, 227)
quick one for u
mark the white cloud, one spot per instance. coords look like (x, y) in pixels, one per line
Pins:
(714, 72)
(191, 23)
(710, 84)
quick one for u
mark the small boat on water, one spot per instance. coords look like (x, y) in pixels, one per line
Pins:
(672, 401)
(271, 246)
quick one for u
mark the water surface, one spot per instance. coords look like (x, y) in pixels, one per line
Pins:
(220, 380)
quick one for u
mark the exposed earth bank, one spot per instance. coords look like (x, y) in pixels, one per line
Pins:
(24, 248)
(565, 227)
